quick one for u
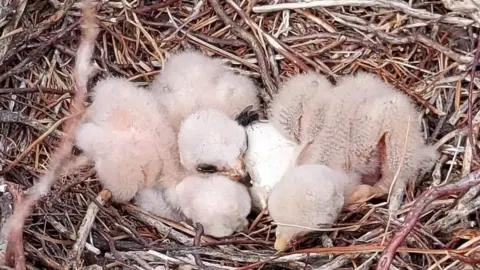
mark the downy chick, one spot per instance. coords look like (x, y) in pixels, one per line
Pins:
(209, 142)
(203, 97)
(288, 112)
(389, 126)
(206, 143)
(205, 152)
(156, 201)
(219, 204)
(191, 81)
(268, 157)
(367, 134)
(131, 149)
(307, 196)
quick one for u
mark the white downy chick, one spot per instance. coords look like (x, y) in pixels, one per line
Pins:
(191, 84)
(219, 204)
(209, 142)
(288, 109)
(307, 196)
(191, 81)
(131, 149)
(267, 159)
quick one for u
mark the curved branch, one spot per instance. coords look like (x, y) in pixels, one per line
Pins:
(420, 204)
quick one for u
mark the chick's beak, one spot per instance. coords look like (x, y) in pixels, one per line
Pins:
(239, 171)
(280, 243)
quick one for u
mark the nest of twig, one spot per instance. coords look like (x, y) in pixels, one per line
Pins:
(421, 47)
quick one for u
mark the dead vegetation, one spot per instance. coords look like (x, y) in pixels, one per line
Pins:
(420, 47)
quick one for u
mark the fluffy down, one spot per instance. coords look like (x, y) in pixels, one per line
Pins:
(210, 142)
(131, 149)
(366, 133)
(191, 81)
(267, 158)
(392, 119)
(219, 204)
(155, 201)
(306, 197)
(288, 112)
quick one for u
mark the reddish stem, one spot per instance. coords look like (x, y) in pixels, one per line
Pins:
(418, 207)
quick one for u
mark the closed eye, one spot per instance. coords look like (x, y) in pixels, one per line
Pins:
(205, 168)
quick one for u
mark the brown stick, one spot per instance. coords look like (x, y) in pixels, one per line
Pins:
(159, 5)
(17, 91)
(281, 48)
(254, 44)
(15, 254)
(420, 204)
(74, 256)
(470, 98)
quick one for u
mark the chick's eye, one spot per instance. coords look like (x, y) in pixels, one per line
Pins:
(205, 168)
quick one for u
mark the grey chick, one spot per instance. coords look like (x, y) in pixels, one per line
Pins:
(367, 134)
(307, 196)
(219, 204)
(288, 111)
(389, 126)
(131, 150)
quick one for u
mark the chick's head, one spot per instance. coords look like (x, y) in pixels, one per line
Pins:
(210, 142)
(219, 204)
(188, 70)
(307, 196)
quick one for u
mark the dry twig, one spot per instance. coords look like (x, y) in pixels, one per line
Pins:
(74, 257)
(15, 253)
(420, 204)
(420, 13)
(473, 68)
(254, 44)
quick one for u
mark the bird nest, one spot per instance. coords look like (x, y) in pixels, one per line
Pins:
(424, 48)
